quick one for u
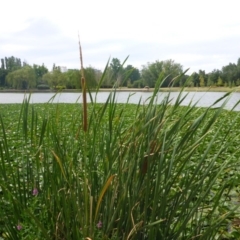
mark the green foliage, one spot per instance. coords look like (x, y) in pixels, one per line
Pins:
(72, 79)
(151, 72)
(133, 75)
(59, 87)
(43, 87)
(23, 78)
(39, 72)
(219, 82)
(3, 74)
(203, 78)
(116, 75)
(138, 84)
(11, 63)
(115, 67)
(92, 77)
(231, 73)
(54, 78)
(213, 77)
(139, 172)
(169, 69)
(195, 79)
(201, 81)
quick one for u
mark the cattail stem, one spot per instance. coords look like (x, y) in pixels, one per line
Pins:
(84, 91)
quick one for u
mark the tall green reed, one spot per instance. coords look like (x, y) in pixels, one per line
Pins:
(157, 172)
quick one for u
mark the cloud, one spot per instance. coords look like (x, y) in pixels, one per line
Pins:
(200, 35)
(40, 42)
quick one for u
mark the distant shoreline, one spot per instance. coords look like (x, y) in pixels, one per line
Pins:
(173, 89)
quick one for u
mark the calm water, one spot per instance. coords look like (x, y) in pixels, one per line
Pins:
(203, 99)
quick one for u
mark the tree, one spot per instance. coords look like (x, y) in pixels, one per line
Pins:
(238, 62)
(12, 63)
(115, 67)
(230, 74)
(107, 81)
(195, 79)
(23, 78)
(219, 82)
(203, 78)
(55, 79)
(73, 78)
(201, 81)
(116, 73)
(39, 72)
(91, 77)
(3, 74)
(132, 74)
(2, 64)
(213, 77)
(150, 73)
(169, 69)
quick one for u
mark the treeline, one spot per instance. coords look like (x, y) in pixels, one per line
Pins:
(16, 74)
(228, 76)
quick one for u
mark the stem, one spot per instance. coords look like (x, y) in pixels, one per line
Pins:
(83, 82)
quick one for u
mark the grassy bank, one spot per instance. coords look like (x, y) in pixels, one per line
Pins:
(138, 172)
(125, 89)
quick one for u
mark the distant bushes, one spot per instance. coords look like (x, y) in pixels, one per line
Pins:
(43, 87)
(59, 87)
(46, 87)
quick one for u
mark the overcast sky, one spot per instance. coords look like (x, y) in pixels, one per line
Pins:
(197, 34)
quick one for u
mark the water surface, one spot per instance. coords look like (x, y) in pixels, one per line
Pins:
(203, 99)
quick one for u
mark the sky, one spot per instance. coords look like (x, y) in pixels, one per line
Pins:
(196, 34)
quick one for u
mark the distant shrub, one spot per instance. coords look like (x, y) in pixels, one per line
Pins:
(43, 87)
(138, 84)
(106, 86)
(59, 87)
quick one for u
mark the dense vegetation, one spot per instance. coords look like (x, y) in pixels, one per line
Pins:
(17, 75)
(139, 172)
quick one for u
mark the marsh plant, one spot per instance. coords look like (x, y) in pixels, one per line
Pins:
(145, 171)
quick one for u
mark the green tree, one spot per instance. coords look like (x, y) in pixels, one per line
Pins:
(73, 79)
(171, 70)
(213, 77)
(91, 77)
(230, 74)
(115, 67)
(12, 63)
(132, 75)
(108, 80)
(23, 78)
(151, 72)
(55, 79)
(2, 64)
(138, 84)
(220, 82)
(39, 72)
(184, 81)
(3, 74)
(203, 78)
(201, 81)
(195, 79)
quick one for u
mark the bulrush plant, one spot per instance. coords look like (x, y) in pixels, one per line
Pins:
(144, 171)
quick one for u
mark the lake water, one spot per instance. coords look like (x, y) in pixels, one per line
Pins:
(203, 99)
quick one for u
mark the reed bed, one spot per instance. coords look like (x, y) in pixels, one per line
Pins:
(145, 171)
